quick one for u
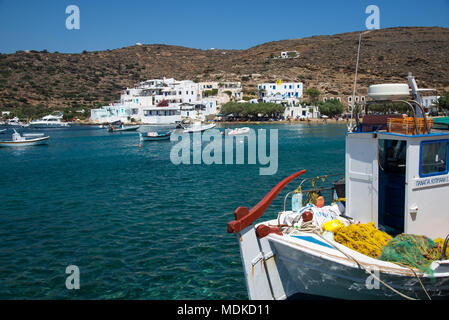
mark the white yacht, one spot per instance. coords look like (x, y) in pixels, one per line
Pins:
(49, 121)
(15, 122)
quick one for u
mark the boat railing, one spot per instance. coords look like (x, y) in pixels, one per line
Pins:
(324, 184)
(409, 104)
(245, 217)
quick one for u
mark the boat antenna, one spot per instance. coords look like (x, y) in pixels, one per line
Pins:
(351, 123)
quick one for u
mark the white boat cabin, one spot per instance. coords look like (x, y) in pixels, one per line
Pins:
(399, 181)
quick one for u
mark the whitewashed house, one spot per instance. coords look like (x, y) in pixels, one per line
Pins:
(430, 103)
(158, 101)
(226, 91)
(289, 54)
(301, 112)
(288, 93)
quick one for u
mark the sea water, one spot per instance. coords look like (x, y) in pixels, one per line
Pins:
(136, 225)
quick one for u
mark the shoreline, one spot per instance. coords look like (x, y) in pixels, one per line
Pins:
(314, 121)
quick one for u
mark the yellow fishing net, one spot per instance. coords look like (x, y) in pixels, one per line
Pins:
(440, 243)
(363, 238)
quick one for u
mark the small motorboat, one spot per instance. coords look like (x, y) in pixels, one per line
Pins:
(154, 136)
(197, 126)
(19, 141)
(123, 128)
(2, 131)
(236, 131)
(119, 127)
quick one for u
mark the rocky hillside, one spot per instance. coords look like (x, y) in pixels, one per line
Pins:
(42, 79)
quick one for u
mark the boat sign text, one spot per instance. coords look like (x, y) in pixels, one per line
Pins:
(431, 181)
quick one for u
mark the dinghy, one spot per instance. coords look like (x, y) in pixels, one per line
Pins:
(197, 126)
(21, 141)
(395, 189)
(236, 131)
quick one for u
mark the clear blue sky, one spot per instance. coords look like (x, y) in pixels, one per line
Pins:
(230, 24)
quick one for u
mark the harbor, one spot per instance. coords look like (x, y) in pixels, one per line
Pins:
(224, 159)
(122, 223)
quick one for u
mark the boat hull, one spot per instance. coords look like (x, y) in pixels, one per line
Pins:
(123, 129)
(237, 132)
(304, 273)
(155, 138)
(25, 143)
(48, 125)
(200, 129)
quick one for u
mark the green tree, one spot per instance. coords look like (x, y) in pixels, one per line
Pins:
(331, 107)
(443, 101)
(252, 110)
(313, 94)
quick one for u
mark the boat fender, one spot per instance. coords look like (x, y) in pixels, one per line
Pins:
(320, 202)
(307, 216)
(264, 230)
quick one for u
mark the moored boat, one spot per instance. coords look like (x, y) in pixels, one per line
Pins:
(197, 126)
(120, 127)
(396, 180)
(236, 131)
(50, 121)
(154, 136)
(22, 141)
(15, 123)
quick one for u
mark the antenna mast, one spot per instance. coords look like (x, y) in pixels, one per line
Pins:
(351, 125)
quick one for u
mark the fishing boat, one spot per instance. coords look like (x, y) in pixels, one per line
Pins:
(236, 131)
(396, 179)
(21, 141)
(50, 121)
(120, 127)
(197, 126)
(154, 136)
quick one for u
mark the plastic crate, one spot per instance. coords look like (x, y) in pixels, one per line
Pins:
(407, 125)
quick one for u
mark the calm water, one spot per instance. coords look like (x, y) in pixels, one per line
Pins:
(136, 225)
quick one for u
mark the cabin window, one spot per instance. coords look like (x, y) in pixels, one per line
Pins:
(433, 158)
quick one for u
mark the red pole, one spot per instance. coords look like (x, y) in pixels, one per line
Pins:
(245, 217)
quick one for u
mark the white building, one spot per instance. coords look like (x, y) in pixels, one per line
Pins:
(158, 101)
(225, 91)
(289, 54)
(288, 93)
(301, 112)
(430, 102)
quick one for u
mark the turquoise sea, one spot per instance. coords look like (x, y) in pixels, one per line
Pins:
(136, 225)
